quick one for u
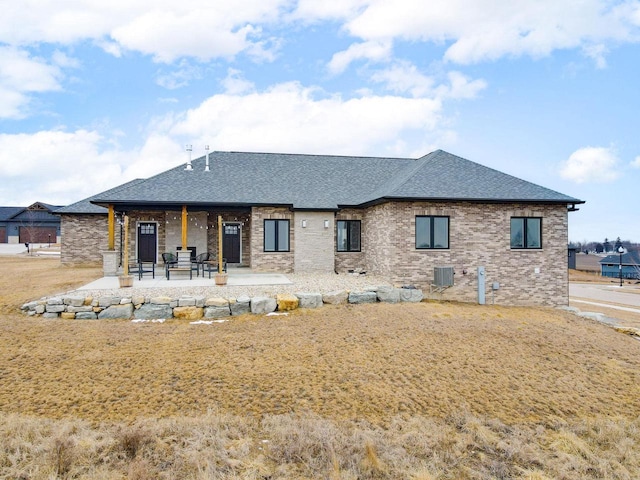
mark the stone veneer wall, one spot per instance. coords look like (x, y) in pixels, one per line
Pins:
(479, 235)
(356, 261)
(315, 244)
(84, 238)
(228, 216)
(271, 261)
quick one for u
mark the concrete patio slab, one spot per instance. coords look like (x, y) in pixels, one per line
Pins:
(234, 279)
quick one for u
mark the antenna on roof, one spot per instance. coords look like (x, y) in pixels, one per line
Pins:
(206, 167)
(189, 149)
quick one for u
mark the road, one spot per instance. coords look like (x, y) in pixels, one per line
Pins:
(606, 293)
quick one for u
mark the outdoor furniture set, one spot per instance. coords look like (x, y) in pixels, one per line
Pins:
(183, 264)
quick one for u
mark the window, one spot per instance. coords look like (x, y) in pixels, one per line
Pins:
(432, 232)
(348, 235)
(526, 232)
(276, 235)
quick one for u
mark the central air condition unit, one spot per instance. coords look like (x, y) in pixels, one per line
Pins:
(443, 276)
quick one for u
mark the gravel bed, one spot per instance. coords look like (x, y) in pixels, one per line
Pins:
(309, 283)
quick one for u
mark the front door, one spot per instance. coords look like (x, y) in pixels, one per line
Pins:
(147, 241)
(231, 242)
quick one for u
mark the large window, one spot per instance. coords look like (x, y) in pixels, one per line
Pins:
(348, 235)
(432, 232)
(526, 232)
(276, 235)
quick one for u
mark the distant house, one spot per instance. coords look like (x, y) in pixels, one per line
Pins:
(294, 213)
(610, 265)
(34, 224)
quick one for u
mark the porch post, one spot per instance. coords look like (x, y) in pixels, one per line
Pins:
(219, 243)
(112, 228)
(184, 227)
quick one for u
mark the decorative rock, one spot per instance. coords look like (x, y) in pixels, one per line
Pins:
(186, 302)
(189, 312)
(263, 305)
(54, 301)
(161, 300)
(309, 300)
(88, 301)
(125, 301)
(286, 302)
(410, 295)
(72, 309)
(173, 304)
(39, 308)
(199, 301)
(389, 295)
(49, 315)
(336, 297)
(217, 311)
(86, 316)
(362, 297)
(150, 311)
(116, 311)
(216, 302)
(108, 301)
(55, 308)
(139, 300)
(74, 301)
(29, 306)
(68, 315)
(240, 305)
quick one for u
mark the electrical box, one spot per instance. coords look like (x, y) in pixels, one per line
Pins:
(443, 276)
(495, 286)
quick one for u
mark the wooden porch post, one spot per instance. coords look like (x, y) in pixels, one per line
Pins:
(219, 243)
(112, 228)
(184, 227)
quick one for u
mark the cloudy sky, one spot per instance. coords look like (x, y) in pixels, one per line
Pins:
(95, 93)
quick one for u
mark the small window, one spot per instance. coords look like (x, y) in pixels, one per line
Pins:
(348, 236)
(526, 232)
(432, 232)
(276, 235)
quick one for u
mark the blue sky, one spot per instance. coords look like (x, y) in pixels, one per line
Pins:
(93, 94)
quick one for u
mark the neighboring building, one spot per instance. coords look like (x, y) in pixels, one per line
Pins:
(34, 224)
(395, 217)
(571, 257)
(610, 265)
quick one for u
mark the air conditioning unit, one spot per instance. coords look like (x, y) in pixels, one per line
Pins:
(443, 276)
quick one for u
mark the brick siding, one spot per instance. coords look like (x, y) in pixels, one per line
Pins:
(270, 261)
(83, 239)
(315, 244)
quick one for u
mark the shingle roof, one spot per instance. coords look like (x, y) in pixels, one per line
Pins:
(327, 182)
(6, 213)
(630, 258)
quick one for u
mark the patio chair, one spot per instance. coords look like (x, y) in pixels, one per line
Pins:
(199, 261)
(140, 268)
(170, 260)
(212, 266)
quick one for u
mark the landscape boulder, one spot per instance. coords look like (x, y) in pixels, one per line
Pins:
(240, 305)
(410, 295)
(116, 311)
(150, 311)
(86, 316)
(362, 297)
(286, 302)
(215, 311)
(189, 312)
(263, 305)
(336, 297)
(309, 300)
(388, 295)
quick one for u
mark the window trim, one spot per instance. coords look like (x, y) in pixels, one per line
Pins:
(432, 232)
(276, 235)
(349, 249)
(524, 233)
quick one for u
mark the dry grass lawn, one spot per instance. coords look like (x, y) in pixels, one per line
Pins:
(420, 391)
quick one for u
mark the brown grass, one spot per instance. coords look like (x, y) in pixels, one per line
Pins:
(427, 391)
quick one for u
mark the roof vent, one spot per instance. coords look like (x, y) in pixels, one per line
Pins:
(206, 167)
(189, 149)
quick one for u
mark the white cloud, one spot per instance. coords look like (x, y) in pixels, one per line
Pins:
(180, 77)
(291, 118)
(373, 51)
(591, 165)
(22, 75)
(404, 77)
(597, 53)
(482, 30)
(235, 83)
(636, 162)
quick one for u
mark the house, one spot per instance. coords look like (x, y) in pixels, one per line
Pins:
(292, 213)
(34, 224)
(610, 265)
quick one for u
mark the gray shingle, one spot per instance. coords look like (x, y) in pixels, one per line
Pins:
(326, 182)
